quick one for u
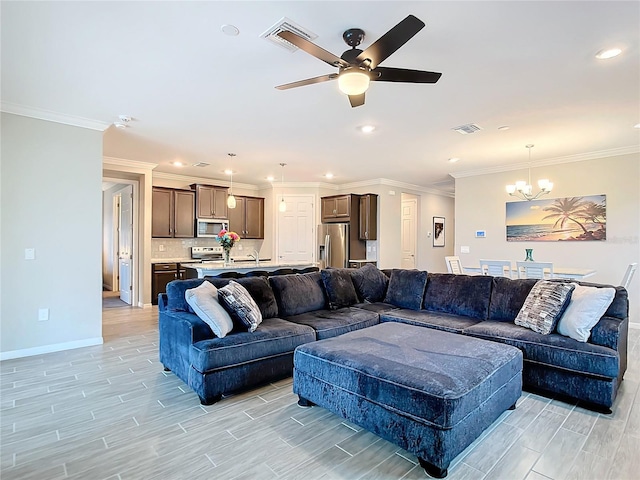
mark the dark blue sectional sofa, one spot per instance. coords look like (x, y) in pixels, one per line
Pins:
(299, 308)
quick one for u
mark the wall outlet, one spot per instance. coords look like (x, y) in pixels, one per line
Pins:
(29, 253)
(43, 314)
(240, 246)
(161, 248)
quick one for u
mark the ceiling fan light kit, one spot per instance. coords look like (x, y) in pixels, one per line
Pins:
(358, 68)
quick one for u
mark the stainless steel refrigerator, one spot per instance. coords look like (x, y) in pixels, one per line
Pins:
(333, 245)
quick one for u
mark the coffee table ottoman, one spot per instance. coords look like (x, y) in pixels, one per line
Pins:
(427, 391)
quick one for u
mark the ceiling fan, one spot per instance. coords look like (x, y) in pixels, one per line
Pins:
(356, 67)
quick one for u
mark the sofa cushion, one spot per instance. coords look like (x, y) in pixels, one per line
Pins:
(585, 309)
(544, 306)
(242, 308)
(437, 320)
(553, 350)
(406, 288)
(260, 290)
(204, 301)
(329, 323)
(370, 283)
(274, 337)
(298, 293)
(377, 307)
(339, 287)
(458, 294)
(508, 296)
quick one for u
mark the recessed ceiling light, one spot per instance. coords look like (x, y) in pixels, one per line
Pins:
(367, 128)
(177, 164)
(453, 159)
(120, 125)
(328, 175)
(228, 172)
(230, 30)
(637, 125)
(504, 127)
(270, 178)
(608, 53)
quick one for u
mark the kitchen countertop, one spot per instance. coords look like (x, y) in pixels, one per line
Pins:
(216, 268)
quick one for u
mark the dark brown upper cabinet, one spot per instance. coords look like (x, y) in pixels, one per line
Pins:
(247, 219)
(368, 217)
(339, 208)
(211, 201)
(172, 213)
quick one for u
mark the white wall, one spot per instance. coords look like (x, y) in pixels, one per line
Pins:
(51, 199)
(480, 205)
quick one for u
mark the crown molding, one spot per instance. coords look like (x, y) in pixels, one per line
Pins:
(206, 181)
(579, 157)
(56, 117)
(123, 162)
(394, 183)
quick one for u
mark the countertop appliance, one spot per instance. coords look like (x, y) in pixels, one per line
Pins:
(207, 254)
(333, 245)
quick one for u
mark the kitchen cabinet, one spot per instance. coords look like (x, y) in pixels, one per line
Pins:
(339, 208)
(211, 201)
(368, 217)
(247, 219)
(172, 213)
(161, 275)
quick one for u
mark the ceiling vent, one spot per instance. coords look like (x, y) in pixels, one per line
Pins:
(201, 164)
(467, 129)
(284, 24)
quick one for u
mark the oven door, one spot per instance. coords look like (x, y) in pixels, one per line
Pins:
(210, 228)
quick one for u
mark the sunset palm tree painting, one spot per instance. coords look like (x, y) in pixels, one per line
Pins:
(559, 219)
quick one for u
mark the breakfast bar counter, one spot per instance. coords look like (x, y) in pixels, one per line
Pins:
(206, 269)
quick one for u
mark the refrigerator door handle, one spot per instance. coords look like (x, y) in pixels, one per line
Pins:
(327, 246)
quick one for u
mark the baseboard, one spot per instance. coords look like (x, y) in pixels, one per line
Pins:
(58, 347)
(634, 325)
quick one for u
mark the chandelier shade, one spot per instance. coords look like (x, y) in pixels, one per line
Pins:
(524, 190)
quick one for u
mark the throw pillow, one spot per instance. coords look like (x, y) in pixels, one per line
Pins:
(339, 287)
(242, 308)
(370, 283)
(406, 288)
(544, 305)
(204, 301)
(586, 307)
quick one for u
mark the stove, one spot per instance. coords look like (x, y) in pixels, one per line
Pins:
(206, 254)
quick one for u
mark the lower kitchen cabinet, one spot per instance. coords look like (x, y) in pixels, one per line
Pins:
(161, 274)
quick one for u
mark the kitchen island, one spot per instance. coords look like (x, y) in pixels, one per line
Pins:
(210, 269)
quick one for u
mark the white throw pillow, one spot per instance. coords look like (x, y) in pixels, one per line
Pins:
(585, 309)
(204, 301)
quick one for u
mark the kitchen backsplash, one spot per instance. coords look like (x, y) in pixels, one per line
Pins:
(177, 248)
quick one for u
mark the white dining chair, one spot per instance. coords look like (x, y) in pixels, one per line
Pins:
(496, 268)
(454, 265)
(631, 269)
(535, 269)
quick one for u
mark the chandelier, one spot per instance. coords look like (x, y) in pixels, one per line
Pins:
(524, 190)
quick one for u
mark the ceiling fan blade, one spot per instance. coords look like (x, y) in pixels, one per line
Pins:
(312, 49)
(308, 81)
(356, 100)
(390, 74)
(391, 41)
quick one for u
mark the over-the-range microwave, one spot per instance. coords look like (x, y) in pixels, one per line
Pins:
(207, 227)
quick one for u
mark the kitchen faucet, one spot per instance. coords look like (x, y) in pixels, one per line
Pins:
(256, 256)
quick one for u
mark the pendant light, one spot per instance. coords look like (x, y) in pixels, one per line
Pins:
(282, 207)
(231, 200)
(524, 190)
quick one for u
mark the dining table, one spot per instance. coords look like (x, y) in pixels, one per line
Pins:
(570, 273)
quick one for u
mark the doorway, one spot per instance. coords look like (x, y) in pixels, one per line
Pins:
(409, 230)
(296, 229)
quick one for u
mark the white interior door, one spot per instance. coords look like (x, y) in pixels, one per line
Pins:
(296, 227)
(125, 237)
(408, 232)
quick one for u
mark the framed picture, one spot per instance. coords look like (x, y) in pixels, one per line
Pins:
(438, 231)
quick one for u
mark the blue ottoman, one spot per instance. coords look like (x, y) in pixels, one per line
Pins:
(428, 391)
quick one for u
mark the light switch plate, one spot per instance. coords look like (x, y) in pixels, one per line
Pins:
(464, 249)
(29, 253)
(43, 314)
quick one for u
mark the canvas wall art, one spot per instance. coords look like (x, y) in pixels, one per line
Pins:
(558, 219)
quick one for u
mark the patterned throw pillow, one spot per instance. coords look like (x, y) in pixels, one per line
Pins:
(544, 306)
(242, 308)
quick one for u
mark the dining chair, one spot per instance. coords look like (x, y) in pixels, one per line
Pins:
(534, 269)
(496, 268)
(631, 269)
(454, 265)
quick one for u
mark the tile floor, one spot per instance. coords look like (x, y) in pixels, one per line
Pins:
(110, 412)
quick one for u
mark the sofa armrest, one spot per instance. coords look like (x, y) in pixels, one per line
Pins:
(179, 330)
(608, 332)
(162, 302)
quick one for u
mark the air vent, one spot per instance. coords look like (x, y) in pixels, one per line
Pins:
(284, 24)
(201, 164)
(467, 129)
